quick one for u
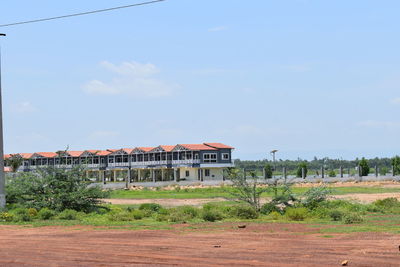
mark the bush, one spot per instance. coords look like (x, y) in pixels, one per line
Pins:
(6, 217)
(21, 215)
(299, 171)
(116, 216)
(32, 212)
(396, 165)
(296, 214)
(153, 207)
(364, 167)
(55, 189)
(275, 215)
(350, 218)
(336, 215)
(182, 214)
(68, 215)
(268, 171)
(332, 173)
(244, 212)
(314, 196)
(138, 214)
(269, 207)
(389, 202)
(212, 215)
(46, 214)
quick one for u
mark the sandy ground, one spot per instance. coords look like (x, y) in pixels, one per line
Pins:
(364, 198)
(225, 244)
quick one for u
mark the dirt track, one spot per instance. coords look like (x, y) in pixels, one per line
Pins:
(257, 245)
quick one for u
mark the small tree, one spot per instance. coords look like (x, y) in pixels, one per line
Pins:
(364, 167)
(396, 165)
(246, 190)
(268, 170)
(15, 161)
(56, 189)
(299, 171)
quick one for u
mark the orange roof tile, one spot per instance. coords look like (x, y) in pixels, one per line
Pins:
(197, 147)
(128, 150)
(7, 169)
(145, 149)
(167, 148)
(26, 155)
(103, 152)
(7, 156)
(75, 153)
(47, 154)
(218, 145)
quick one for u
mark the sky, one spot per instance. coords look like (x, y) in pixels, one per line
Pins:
(306, 77)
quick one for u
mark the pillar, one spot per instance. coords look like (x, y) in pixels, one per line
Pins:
(138, 175)
(103, 176)
(376, 171)
(393, 173)
(128, 179)
(175, 178)
(114, 175)
(284, 171)
(341, 171)
(264, 175)
(322, 172)
(162, 174)
(303, 173)
(153, 175)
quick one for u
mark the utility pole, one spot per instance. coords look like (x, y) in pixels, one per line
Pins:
(273, 157)
(2, 178)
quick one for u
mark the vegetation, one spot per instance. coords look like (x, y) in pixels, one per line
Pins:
(302, 166)
(396, 165)
(55, 189)
(268, 171)
(14, 161)
(364, 167)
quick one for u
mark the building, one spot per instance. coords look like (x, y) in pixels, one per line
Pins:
(201, 162)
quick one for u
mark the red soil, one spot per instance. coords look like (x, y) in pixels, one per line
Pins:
(269, 244)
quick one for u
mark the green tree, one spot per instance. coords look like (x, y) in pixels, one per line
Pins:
(364, 167)
(300, 167)
(396, 165)
(15, 161)
(268, 170)
(246, 189)
(56, 189)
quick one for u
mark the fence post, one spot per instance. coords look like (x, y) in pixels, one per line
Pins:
(393, 171)
(303, 173)
(322, 172)
(341, 171)
(284, 173)
(376, 171)
(264, 173)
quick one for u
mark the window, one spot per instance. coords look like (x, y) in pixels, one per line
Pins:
(187, 173)
(225, 156)
(210, 157)
(207, 172)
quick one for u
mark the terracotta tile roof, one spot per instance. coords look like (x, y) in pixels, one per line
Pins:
(128, 150)
(218, 145)
(145, 149)
(7, 156)
(197, 147)
(103, 152)
(47, 154)
(26, 155)
(167, 148)
(7, 169)
(75, 153)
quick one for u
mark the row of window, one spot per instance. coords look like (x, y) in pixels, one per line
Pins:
(212, 157)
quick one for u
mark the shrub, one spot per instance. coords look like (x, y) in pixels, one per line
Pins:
(182, 214)
(389, 202)
(56, 189)
(68, 215)
(314, 196)
(32, 212)
(116, 216)
(268, 171)
(296, 214)
(211, 215)
(244, 212)
(396, 165)
(364, 167)
(336, 215)
(46, 214)
(138, 214)
(383, 171)
(269, 207)
(275, 215)
(332, 173)
(299, 169)
(21, 215)
(6, 217)
(350, 218)
(153, 207)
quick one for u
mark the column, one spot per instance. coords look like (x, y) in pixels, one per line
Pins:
(175, 178)
(341, 171)
(115, 176)
(153, 175)
(138, 175)
(128, 178)
(162, 174)
(322, 172)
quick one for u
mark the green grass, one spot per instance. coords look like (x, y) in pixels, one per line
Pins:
(223, 192)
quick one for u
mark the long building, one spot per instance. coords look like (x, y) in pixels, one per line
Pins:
(161, 163)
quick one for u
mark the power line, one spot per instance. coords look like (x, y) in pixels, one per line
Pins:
(80, 14)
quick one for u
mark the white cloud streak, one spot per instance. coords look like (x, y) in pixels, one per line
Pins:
(24, 107)
(131, 78)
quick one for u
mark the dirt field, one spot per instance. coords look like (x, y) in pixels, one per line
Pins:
(216, 245)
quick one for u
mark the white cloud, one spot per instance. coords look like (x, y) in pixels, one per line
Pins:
(379, 124)
(395, 101)
(132, 78)
(24, 107)
(217, 29)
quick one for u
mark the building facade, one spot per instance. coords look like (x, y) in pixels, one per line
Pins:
(200, 162)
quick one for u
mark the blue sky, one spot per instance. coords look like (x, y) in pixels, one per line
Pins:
(309, 78)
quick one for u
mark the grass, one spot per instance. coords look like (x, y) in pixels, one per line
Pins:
(223, 192)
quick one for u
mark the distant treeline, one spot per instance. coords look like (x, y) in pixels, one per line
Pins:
(315, 164)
